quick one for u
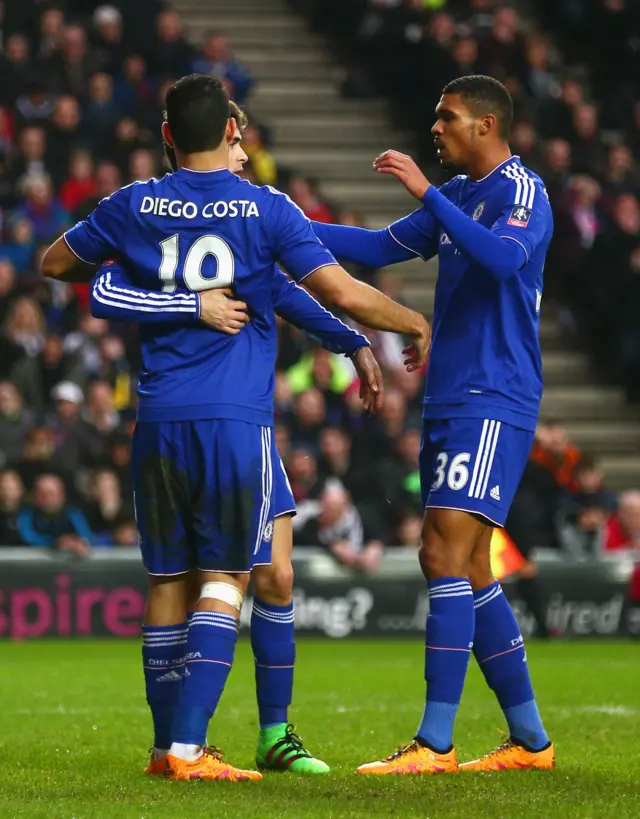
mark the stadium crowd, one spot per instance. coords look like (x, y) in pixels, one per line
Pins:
(81, 92)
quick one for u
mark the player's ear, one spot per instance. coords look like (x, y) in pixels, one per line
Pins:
(166, 134)
(487, 124)
(230, 130)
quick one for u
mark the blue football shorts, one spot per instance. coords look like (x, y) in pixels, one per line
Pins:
(282, 503)
(473, 465)
(203, 495)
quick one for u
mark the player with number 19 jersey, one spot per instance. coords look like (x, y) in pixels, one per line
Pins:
(193, 230)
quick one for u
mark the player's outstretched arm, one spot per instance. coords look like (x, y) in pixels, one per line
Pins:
(484, 245)
(371, 308)
(370, 248)
(304, 257)
(114, 296)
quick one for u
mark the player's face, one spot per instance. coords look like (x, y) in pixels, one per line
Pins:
(455, 131)
(237, 156)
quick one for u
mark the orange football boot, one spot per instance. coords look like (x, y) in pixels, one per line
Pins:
(412, 759)
(513, 757)
(155, 766)
(208, 766)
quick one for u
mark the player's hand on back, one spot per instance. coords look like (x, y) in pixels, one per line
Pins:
(371, 384)
(405, 169)
(221, 311)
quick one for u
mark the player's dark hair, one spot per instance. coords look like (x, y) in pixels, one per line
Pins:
(197, 113)
(235, 112)
(483, 95)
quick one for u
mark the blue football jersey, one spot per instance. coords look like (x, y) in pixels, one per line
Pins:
(485, 356)
(191, 231)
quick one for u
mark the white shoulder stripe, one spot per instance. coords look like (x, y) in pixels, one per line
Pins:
(525, 184)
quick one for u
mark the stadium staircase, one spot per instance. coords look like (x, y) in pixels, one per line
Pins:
(323, 135)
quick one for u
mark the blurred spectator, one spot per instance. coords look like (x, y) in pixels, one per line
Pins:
(339, 527)
(585, 511)
(51, 522)
(11, 496)
(142, 165)
(42, 209)
(20, 247)
(101, 111)
(69, 68)
(24, 326)
(622, 529)
(51, 32)
(398, 475)
(65, 135)
(539, 78)
(78, 442)
(262, 162)
(588, 150)
(15, 68)
(31, 157)
(8, 293)
(100, 413)
(108, 511)
(134, 90)
(310, 416)
(81, 183)
(306, 483)
(303, 194)
(108, 37)
(38, 456)
(15, 422)
(327, 372)
(337, 461)
(171, 54)
(409, 532)
(503, 50)
(216, 59)
(36, 104)
(554, 452)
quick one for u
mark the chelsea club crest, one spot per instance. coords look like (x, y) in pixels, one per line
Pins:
(477, 213)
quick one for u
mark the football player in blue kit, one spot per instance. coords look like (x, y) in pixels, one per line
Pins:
(490, 228)
(203, 449)
(115, 296)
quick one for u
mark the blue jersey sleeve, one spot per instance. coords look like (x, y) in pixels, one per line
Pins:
(298, 307)
(526, 216)
(416, 233)
(99, 235)
(114, 296)
(370, 248)
(501, 259)
(292, 239)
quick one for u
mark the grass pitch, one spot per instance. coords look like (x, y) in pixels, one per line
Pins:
(75, 732)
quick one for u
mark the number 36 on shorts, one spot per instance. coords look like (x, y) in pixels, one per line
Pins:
(472, 464)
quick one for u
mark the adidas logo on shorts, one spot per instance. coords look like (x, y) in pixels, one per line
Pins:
(495, 493)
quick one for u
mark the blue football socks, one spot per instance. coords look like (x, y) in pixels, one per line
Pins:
(163, 657)
(499, 649)
(448, 647)
(274, 652)
(211, 643)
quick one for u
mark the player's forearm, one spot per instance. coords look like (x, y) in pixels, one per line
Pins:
(373, 309)
(113, 298)
(500, 258)
(370, 248)
(300, 308)
(59, 262)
